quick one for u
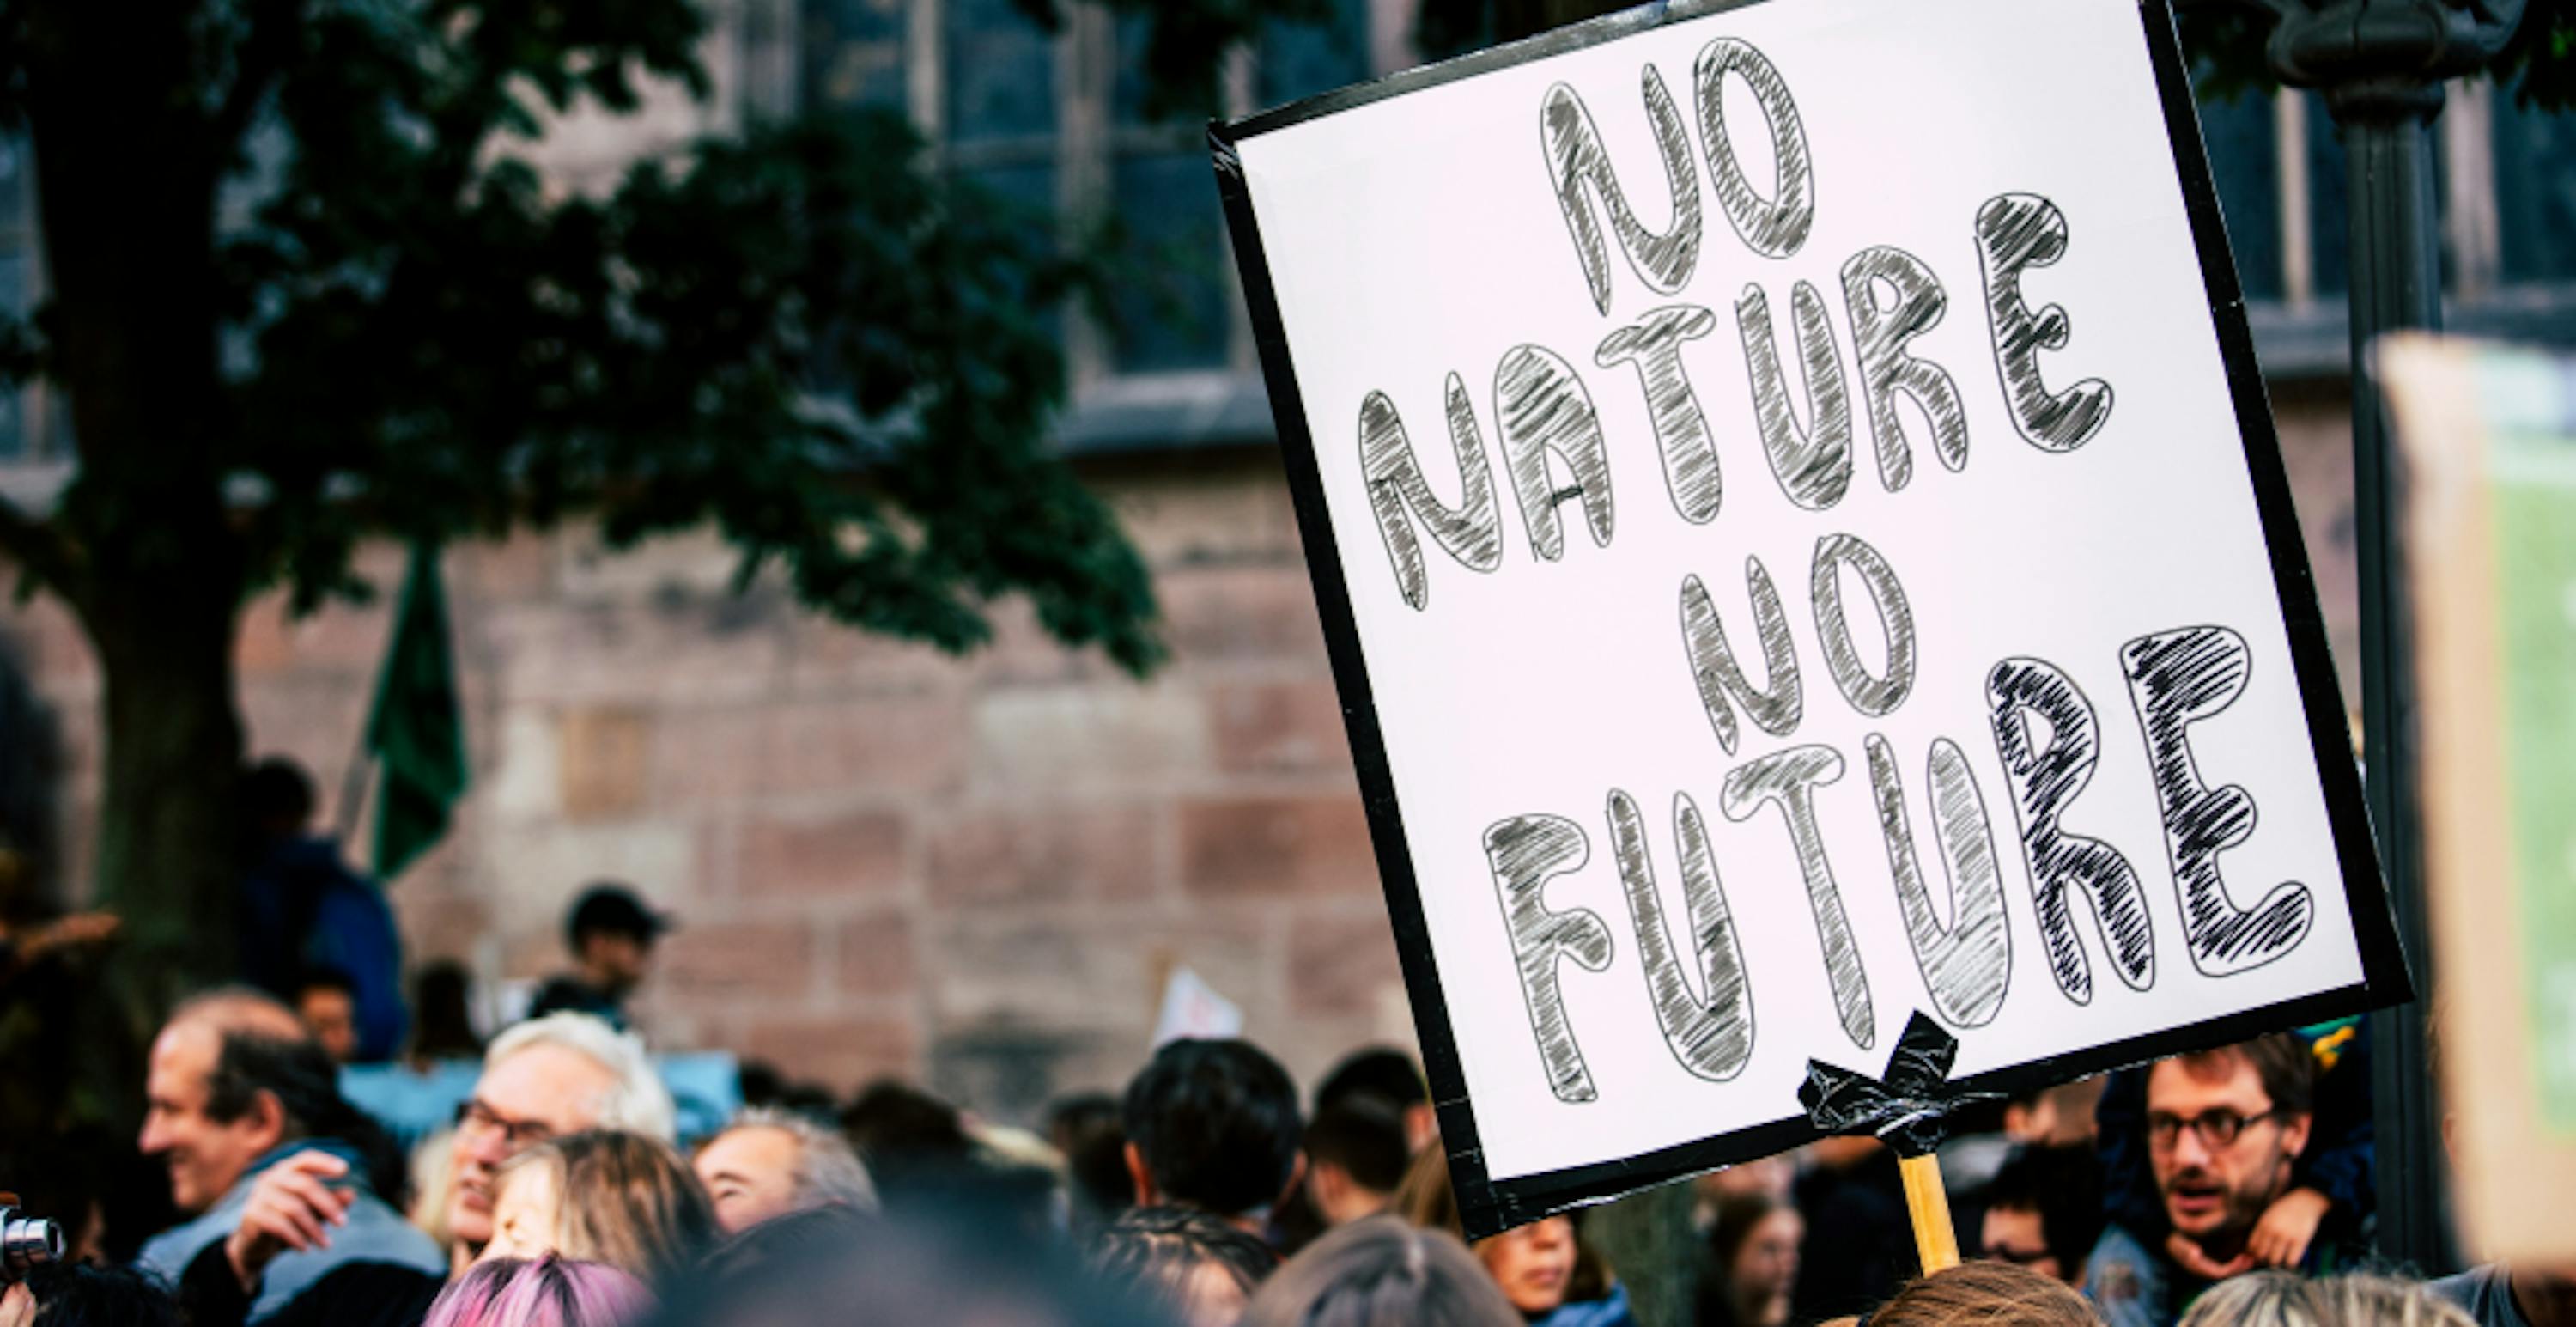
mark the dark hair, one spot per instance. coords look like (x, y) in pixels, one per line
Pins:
(1363, 1136)
(87, 1295)
(323, 977)
(2284, 1064)
(2064, 1186)
(1087, 1130)
(306, 1084)
(298, 1073)
(912, 1142)
(442, 1027)
(611, 907)
(1986, 1294)
(1382, 1072)
(277, 791)
(1216, 1122)
(1380, 1272)
(758, 1252)
(1156, 1251)
(1738, 1215)
(942, 1263)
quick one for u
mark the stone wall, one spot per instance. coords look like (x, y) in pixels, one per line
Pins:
(885, 860)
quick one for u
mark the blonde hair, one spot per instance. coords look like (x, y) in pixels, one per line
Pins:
(1986, 1294)
(1425, 1197)
(433, 1182)
(623, 1199)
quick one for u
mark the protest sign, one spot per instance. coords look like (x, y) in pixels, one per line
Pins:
(2489, 437)
(1802, 543)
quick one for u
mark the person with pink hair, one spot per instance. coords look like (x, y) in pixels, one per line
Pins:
(541, 1292)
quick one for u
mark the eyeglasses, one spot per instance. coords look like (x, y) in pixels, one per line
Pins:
(2017, 1257)
(2216, 1128)
(474, 1117)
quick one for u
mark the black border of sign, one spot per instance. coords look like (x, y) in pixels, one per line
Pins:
(1488, 1205)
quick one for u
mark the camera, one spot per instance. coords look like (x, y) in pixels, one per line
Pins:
(26, 1242)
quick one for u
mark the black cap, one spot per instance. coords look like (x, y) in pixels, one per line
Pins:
(613, 909)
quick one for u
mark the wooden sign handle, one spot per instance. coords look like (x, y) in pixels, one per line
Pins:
(1929, 1204)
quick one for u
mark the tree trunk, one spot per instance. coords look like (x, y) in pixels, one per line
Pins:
(168, 861)
(141, 544)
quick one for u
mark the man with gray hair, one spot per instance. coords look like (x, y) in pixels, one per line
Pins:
(544, 1079)
(768, 1163)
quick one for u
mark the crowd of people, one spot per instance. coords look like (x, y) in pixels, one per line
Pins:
(2228, 1186)
(2233, 1185)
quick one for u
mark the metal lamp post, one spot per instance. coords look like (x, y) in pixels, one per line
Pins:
(2380, 65)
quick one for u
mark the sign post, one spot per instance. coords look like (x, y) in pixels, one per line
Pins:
(1809, 574)
(2381, 68)
(1936, 1240)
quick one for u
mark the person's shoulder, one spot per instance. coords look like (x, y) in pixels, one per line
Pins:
(2117, 1243)
(2123, 1273)
(2480, 1292)
(392, 1239)
(1611, 1310)
(361, 1293)
(168, 1254)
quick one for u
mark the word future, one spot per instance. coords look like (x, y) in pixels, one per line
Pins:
(2045, 729)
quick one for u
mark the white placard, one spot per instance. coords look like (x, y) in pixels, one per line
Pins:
(1897, 464)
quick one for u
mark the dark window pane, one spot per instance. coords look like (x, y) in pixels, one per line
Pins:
(2329, 224)
(1001, 72)
(1027, 190)
(2244, 163)
(1172, 310)
(1026, 196)
(17, 284)
(57, 441)
(1127, 85)
(853, 52)
(2535, 172)
(15, 215)
(1300, 60)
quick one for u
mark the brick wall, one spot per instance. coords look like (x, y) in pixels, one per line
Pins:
(972, 872)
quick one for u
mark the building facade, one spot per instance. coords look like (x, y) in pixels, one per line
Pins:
(979, 873)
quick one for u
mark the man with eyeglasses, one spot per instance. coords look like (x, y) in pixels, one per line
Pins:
(2224, 1128)
(544, 1079)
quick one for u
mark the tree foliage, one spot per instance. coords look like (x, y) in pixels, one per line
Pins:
(805, 335)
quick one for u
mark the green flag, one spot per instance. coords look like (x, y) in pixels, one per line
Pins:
(415, 728)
